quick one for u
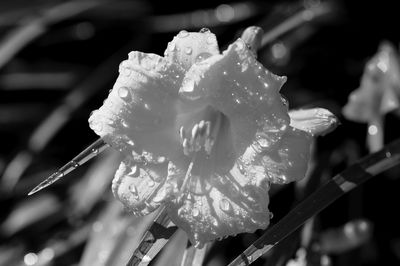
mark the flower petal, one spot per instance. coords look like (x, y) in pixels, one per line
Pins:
(241, 88)
(139, 111)
(188, 48)
(316, 121)
(220, 206)
(141, 187)
(286, 163)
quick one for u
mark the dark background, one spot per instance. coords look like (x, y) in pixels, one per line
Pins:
(81, 53)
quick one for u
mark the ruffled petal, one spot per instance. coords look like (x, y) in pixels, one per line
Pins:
(222, 205)
(241, 88)
(139, 112)
(287, 162)
(315, 121)
(188, 48)
(141, 185)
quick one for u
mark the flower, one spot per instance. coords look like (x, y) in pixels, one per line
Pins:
(379, 91)
(203, 134)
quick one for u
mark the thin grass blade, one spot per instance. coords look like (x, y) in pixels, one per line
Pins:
(90, 152)
(342, 183)
(173, 251)
(155, 238)
(194, 256)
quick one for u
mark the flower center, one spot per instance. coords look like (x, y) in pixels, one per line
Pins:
(202, 136)
(206, 140)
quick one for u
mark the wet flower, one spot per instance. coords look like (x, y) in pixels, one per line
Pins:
(203, 134)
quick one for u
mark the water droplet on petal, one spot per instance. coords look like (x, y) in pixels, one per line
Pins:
(172, 47)
(134, 171)
(183, 34)
(241, 169)
(161, 159)
(123, 92)
(74, 164)
(150, 183)
(96, 126)
(240, 45)
(95, 151)
(195, 212)
(271, 215)
(133, 190)
(225, 205)
(188, 51)
(124, 123)
(215, 222)
(225, 73)
(210, 39)
(181, 211)
(201, 57)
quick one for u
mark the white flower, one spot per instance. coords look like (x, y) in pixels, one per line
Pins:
(202, 133)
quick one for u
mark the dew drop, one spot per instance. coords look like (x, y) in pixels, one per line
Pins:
(161, 159)
(254, 221)
(271, 215)
(146, 259)
(264, 143)
(183, 34)
(181, 211)
(215, 222)
(126, 72)
(74, 164)
(201, 57)
(210, 39)
(241, 169)
(225, 73)
(146, 106)
(96, 126)
(123, 92)
(95, 151)
(240, 45)
(134, 171)
(250, 258)
(172, 47)
(225, 205)
(195, 212)
(188, 50)
(124, 123)
(133, 189)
